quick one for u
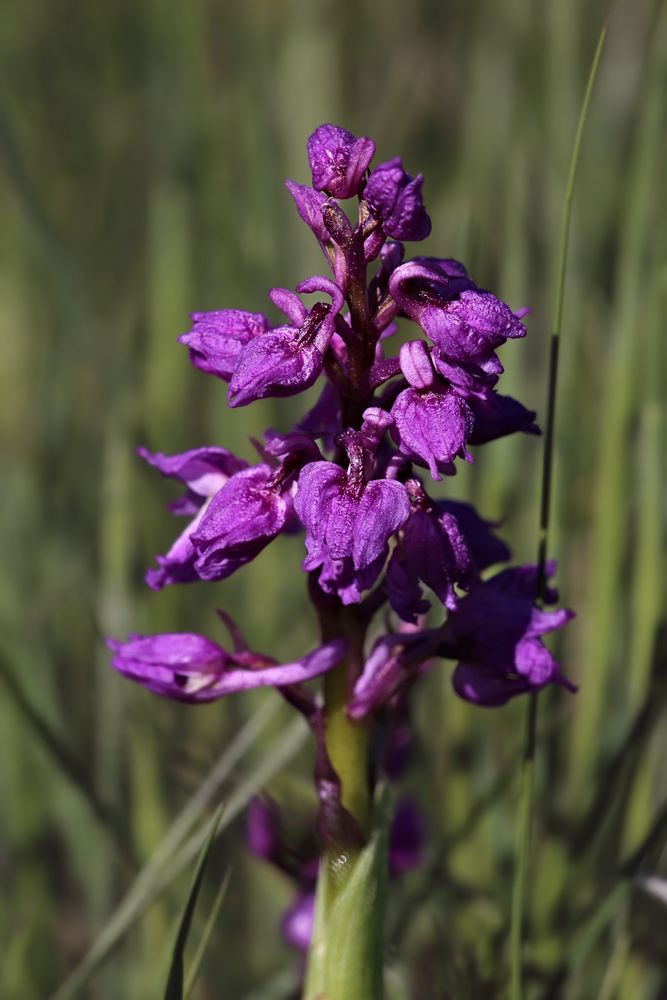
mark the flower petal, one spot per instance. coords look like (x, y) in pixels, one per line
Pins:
(338, 160)
(217, 338)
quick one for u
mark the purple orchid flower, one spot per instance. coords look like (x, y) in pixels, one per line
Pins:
(188, 667)
(288, 359)
(394, 664)
(485, 548)
(394, 198)
(496, 416)
(338, 160)
(348, 518)
(204, 472)
(432, 421)
(465, 323)
(496, 635)
(217, 339)
(432, 549)
(251, 509)
(349, 473)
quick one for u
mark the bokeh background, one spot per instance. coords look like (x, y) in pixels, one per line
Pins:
(145, 146)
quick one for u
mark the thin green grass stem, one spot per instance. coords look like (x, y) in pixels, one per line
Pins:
(527, 792)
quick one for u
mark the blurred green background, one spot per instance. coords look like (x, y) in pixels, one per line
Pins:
(145, 146)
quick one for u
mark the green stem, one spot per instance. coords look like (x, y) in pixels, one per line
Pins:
(347, 741)
(525, 811)
(347, 744)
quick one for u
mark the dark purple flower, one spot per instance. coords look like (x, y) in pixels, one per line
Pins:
(262, 829)
(204, 471)
(432, 550)
(346, 516)
(289, 359)
(496, 416)
(189, 667)
(249, 511)
(338, 160)
(395, 662)
(217, 338)
(485, 548)
(496, 635)
(395, 199)
(407, 837)
(432, 421)
(309, 205)
(465, 323)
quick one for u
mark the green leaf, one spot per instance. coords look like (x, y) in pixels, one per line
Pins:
(174, 990)
(347, 950)
(206, 936)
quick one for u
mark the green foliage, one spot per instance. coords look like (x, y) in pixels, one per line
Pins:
(346, 954)
(144, 150)
(175, 989)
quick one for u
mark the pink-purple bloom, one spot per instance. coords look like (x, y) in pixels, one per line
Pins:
(464, 322)
(496, 634)
(242, 518)
(338, 160)
(395, 200)
(204, 471)
(288, 359)
(348, 517)
(189, 667)
(348, 472)
(217, 339)
(432, 421)
(380, 551)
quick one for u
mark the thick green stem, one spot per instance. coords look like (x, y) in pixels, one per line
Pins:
(347, 741)
(347, 746)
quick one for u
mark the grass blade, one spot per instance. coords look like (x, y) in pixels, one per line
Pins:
(206, 936)
(175, 979)
(525, 813)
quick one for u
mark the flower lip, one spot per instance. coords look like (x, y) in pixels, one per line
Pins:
(189, 667)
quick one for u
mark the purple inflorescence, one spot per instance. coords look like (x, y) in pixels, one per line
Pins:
(356, 473)
(355, 470)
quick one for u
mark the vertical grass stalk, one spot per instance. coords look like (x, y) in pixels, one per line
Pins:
(525, 810)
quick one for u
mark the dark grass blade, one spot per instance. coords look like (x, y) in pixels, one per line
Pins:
(193, 971)
(526, 796)
(175, 980)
